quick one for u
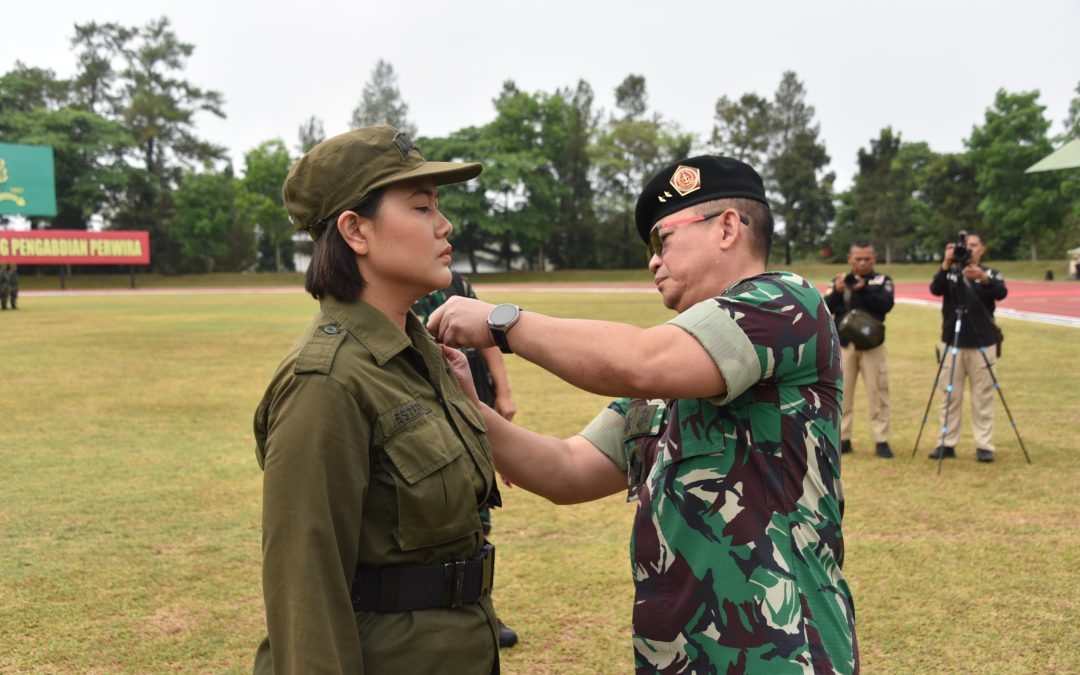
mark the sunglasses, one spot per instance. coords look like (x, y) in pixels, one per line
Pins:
(656, 242)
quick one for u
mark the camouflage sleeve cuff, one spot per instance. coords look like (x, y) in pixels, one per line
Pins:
(726, 343)
(606, 433)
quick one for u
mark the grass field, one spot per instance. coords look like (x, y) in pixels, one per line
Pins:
(131, 497)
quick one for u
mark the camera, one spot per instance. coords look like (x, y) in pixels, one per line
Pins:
(850, 280)
(961, 254)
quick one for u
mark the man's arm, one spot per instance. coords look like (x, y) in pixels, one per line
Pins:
(504, 402)
(564, 471)
(611, 359)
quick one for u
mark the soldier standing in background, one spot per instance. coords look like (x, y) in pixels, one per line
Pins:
(5, 287)
(13, 285)
(728, 439)
(865, 290)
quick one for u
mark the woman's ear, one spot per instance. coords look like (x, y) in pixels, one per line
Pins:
(355, 229)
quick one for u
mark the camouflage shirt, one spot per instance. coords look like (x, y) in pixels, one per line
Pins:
(737, 548)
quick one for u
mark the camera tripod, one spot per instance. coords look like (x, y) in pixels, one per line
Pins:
(962, 309)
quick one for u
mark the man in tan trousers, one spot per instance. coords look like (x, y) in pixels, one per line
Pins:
(964, 283)
(864, 289)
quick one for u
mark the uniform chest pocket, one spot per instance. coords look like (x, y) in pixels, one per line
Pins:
(436, 501)
(698, 429)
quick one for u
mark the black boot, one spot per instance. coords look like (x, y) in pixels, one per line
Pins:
(883, 450)
(845, 447)
(507, 637)
(943, 451)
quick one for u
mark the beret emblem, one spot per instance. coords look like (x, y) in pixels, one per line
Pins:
(686, 179)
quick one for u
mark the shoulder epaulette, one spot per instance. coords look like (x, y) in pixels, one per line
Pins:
(318, 354)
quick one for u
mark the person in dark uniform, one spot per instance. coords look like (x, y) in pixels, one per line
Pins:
(492, 388)
(864, 289)
(5, 288)
(13, 286)
(376, 465)
(978, 289)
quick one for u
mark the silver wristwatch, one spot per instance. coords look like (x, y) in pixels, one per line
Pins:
(500, 320)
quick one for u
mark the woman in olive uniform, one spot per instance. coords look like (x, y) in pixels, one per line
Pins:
(375, 464)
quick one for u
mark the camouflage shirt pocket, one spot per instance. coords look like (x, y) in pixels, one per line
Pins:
(641, 431)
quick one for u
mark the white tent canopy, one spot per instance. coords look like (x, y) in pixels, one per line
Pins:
(1065, 157)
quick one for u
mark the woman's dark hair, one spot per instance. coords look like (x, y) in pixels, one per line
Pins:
(333, 269)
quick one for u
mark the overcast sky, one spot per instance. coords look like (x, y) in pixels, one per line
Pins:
(928, 69)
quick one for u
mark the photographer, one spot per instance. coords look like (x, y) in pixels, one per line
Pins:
(968, 287)
(863, 289)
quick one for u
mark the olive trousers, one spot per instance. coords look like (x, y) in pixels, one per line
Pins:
(873, 365)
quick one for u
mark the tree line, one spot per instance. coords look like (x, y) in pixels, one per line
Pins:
(561, 175)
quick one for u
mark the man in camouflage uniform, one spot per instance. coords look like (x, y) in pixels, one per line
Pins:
(727, 435)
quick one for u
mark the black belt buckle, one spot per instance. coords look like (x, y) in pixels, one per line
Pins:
(453, 582)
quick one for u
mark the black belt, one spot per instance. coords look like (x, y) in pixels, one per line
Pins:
(403, 589)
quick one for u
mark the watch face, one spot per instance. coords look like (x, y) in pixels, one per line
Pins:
(502, 315)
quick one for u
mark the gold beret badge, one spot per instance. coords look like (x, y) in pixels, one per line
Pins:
(686, 179)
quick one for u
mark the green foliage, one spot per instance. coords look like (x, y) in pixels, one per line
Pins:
(1017, 207)
(310, 134)
(629, 150)
(880, 206)
(206, 225)
(802, 190)
(135, 77)
(780, 139)
(742, 128)
(259, 202)
(1072, 122)
(381, 103)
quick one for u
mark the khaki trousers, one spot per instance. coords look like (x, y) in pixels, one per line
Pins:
(970, 366)
(873, 364)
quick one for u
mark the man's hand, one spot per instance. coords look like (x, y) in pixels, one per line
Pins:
(860, 283)
(462, 322)
(459, 363)
(948, 257)
(976, 274)
(838, 283)
(504, 405)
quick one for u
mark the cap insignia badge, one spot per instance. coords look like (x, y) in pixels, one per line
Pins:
(404, 144)
(686, 179)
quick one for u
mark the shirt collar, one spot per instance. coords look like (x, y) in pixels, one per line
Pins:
(372, 328)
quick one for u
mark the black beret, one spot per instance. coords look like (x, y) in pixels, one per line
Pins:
(692, 181)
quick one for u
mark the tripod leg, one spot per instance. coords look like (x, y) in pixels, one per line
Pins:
(1001, 394)
(926, 413)
(954, 350)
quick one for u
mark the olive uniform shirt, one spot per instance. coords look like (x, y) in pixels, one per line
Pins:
(372, 456)
(736, 548)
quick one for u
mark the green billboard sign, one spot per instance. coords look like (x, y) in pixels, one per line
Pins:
(27, 184)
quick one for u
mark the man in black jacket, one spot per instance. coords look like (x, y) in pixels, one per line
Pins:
(863, 289)
(966, 285)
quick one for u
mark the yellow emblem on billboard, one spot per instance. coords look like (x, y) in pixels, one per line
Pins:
(14, 194)
(686, 179)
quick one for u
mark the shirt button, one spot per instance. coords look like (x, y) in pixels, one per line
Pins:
(331, 330)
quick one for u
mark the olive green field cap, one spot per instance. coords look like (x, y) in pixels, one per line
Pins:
(341, 170)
